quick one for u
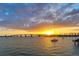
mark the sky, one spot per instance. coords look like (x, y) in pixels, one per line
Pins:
(38, 17)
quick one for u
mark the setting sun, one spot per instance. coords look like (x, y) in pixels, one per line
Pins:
(49, 32)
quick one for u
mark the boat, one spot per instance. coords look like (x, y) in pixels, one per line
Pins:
(77, 40)
(54, 40)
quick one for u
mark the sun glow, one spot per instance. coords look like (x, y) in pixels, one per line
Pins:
(49, 32)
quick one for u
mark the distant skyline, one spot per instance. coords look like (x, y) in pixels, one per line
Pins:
(36, 17)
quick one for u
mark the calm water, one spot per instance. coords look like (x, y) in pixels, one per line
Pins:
(37, 46)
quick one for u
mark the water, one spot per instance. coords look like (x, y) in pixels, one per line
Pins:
(37, 46)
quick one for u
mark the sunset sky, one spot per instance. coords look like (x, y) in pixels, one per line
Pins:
(37, 18)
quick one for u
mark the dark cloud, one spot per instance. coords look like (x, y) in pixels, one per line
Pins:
(73, 12)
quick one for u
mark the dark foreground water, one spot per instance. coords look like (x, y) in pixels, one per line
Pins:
(37, 46)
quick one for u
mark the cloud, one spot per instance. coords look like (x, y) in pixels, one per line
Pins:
(27, 15)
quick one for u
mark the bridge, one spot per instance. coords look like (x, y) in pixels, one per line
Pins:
(40, 35)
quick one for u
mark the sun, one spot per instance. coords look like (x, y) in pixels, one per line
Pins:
(49, 32)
